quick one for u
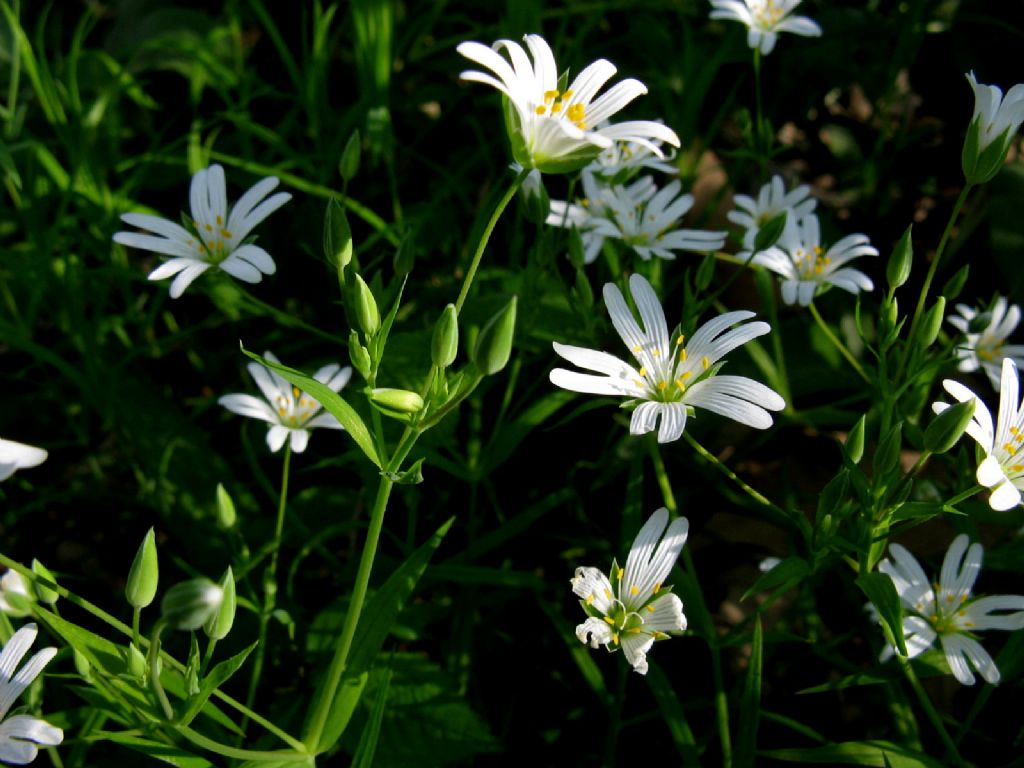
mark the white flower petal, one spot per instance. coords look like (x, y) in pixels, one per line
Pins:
(276, 436)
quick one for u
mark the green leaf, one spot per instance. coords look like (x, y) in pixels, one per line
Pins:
(371, 733)
(790, 572)
(851, 681)
(948, 427)
(329, 399)
(675, 716)
(375, 622)
(750, 703)
(165, 753)
(888, 452)
(217, 676)
(874, 752)
(882, 593)
(769, 233)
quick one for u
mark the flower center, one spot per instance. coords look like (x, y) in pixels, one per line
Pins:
(296, 410)
(666, 376)
(947, 613)
(767, 14)
(810, 264)
(559, 103)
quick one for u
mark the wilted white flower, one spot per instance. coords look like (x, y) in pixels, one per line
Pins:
(675, 375)
(289, 411)
(553, 130)
(772, 200)
(764, 20)
(20, 735)
(1003, 467)
(15, 456)
(217, 236)
(805, 265)
(15, 594)
(987, 347)
(635, 607)
(945, 610)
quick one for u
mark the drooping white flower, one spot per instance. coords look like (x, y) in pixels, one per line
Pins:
(945, 610)
(15, 594)
(805, 265)
(15, 456)
(635, 607)
(987, 348)
(217, 236)
(20, 735)
(553, 130)
(675, 375)
(1003, 467)
(764, 20)
(772, 200)
(996, 115)
(290, 412)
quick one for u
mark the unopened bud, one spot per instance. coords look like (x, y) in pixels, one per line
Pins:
(366, 307)
(770, 232)
(955, 284)
(337, 238)
(44, 594)
(948, 427)
(399, 400)
(190, 604)
(226, 515)
(494, 344)
(444, 345)
(359, 355)
(144, 574)
(932, 323)
(135, 664)
(897, 271)
(855, 440)
(536, 203)
(348, 166)
(220, 622)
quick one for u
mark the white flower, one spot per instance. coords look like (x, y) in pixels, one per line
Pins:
(624, 158)
(945, 609)
(20, 735)
(217, 237)
(675, 376)
(15, 594)
(996, 115)
(1003, 467)
(764, 20)
(15, 456)
(804, 265)
(772, 200)
(635, 607)
(289, 411)
(559, 131)
(987, 348)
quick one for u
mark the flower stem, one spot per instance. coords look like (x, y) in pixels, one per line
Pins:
(759, 131)
(615, 724)
(782, 379)
(486, 236)
(289, 320)
(930, 711)
(270, 580)
(837, 343)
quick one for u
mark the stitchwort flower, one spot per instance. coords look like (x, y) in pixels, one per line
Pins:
(675, 375)
(945, 609)
(805, 265)
(772, 200)
(15, 456)
(634, 607)
(986, 347)
(764, 19)
(21, 735)
(290, 412)
(993, 126)
(1003, 467)
(552, 128)
(216, 236)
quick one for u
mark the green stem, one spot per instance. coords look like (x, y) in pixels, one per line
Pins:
(930, 711)
(837, 343)
(486, 236)
(136, 635)
(154, 670)
(780, 355)
(12, 87)
(762, 151)
(270, 580)
(291, 321)
(278, 757)
(618, 702)
(932, 269)
(208, 656)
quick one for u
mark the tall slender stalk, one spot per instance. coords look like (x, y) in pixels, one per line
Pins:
(930, 711)
(837, 343)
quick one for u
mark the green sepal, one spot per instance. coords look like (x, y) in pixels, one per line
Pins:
(770, 233)
(44, 594)
(494, 344)
(854, 446)
(948, 427)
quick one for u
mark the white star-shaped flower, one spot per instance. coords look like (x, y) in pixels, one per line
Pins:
(996, 115)
(772, 200)
(15, 456)
(1003, 467)
(987, 348)
(217, 236)
(805, 265)
(554, 130)
(635, 607)
(764, 20)
(945, 610)
(675, 375)
(21, 735)
(289, 411)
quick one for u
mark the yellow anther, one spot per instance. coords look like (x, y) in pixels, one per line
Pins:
(643, 371)
(682, 354)
(225, 233)
(634, 590)
(550, 96)
(640, 382)
(638, 349)
(634, 631)
(219, 220)
(610, 621)
(817, 250)
(969, 624)
(282, 411)
(567, 95)
(657, 588)
(679, 384)
(681, 339)
(295, 392)
(650, 609)
(590, 599)
(615, 638)
(662, 385)
(540, 110)
(705, 362)
(575, 112)
(655, 353)
(1014, 431)
(818, 270)
(1017, 468)
(1009, 447)
(209, 228)
(607, 593)
(686, 375)
(799, 253)
(556, 107)
(621, 572)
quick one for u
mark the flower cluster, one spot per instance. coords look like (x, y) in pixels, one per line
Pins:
(635, 606)
(985, 346)
(946, 610)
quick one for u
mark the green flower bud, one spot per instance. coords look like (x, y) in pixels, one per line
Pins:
(337, 238)
(932, 323)
(366, 308)
(398, 400)
(855, 440)
(44, 594)
(82, 665)
(144, 574)
(444, 345)
(220, 622)
(494, 344)
(359, 355)
(948, 427)
(226, 515)
(536, 203)
(348, 166)
(769, 233)
(135, 664)
(888, 451)
(897, 271)
(190, 604)
(955, 284)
